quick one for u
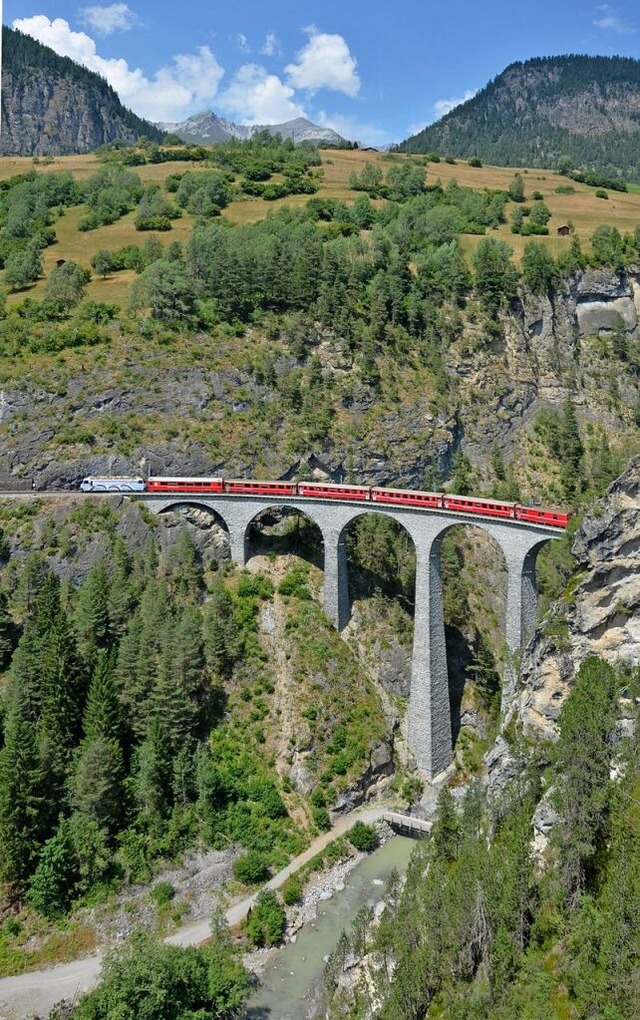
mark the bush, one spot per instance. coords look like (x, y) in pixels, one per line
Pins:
(601, 193)
(363, 837)
(267, 920)
(321, 818)
(474, 161)
(251, 869)
(162, 893)
(292, 890)
(254, 586)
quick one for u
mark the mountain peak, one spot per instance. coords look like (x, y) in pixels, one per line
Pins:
(208, 128)
(534, 112)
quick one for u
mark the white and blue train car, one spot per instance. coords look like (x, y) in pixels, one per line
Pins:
(95, 483)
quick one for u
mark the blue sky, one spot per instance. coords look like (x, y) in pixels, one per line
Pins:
(373, 71)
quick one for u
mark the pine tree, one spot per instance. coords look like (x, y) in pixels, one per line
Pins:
(153, 773)
(23, 811)
(103, 714)
(97, 783)
(570, 447)
(31, 582)
(62, 691)
(6, 632)
(121, 596)
(92, 609)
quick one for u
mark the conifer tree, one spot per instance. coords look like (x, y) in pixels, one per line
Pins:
(92, 609)
(97, 783)
(23, 812)
(6, 632)
(62, 690)
(103, 715)
(153, 773)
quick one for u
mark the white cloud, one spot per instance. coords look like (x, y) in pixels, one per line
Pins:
(243, 42)
(324, 63)
(353, 129)
(105, 20)
(171, 94)
(256, 97)
(271, 45)
(609, 20)
(442, 106)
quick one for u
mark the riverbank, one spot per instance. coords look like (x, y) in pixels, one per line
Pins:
(37, 991)
(292, 976)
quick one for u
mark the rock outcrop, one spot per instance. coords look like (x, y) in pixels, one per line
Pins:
(600, 616)
(52, 106)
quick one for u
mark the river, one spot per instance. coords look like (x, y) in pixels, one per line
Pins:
(292, 980)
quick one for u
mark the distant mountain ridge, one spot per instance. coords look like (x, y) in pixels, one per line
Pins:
(587, 108)
(207, 128)
(52, 106)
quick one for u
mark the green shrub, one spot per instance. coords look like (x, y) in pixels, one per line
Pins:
(363, 837)
(321, 818)
(267, 920)
(601, 193)
(292, 890)
(474, 161)
(254, 586)
(318, 798)
(251, 868)
(162, 893)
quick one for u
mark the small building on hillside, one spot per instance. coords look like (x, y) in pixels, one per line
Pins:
(564, 230)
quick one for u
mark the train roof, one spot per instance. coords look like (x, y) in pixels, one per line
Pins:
(334, 485)
(181, 478)
(113, 478)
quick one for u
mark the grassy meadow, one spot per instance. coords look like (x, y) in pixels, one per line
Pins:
(582, 208)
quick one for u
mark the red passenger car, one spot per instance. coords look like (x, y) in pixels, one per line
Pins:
(333, 490)
(159, 483)
(407, 497)
(248, 487)
(533, 515)
(483, 507)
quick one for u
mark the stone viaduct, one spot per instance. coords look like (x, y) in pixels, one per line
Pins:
(429, 720)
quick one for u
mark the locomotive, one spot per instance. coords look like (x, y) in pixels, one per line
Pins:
(474, 505)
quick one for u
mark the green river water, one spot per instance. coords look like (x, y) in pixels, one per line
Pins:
(293, 979)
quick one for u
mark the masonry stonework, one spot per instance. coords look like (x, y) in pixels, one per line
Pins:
(429, 720)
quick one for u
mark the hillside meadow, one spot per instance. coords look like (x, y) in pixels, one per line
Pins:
(581, 208)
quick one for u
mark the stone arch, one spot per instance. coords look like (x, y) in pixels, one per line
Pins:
(461, 648)
(399, 581)
(288, 510)
(196, 511)
(364, 577)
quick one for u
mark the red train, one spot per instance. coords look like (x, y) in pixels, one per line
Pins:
(363, 493)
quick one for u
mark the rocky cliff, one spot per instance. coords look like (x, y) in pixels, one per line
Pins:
(53, 106)
(600, 614)
(201, 406)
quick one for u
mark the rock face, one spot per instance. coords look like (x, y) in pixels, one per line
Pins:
(602, 616)
(52, 106)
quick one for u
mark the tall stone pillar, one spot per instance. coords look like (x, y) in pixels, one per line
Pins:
(336, 579)
(238, 540)
(522, 601)
(429, 708)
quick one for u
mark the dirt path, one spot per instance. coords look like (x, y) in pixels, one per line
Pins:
(39, 990)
